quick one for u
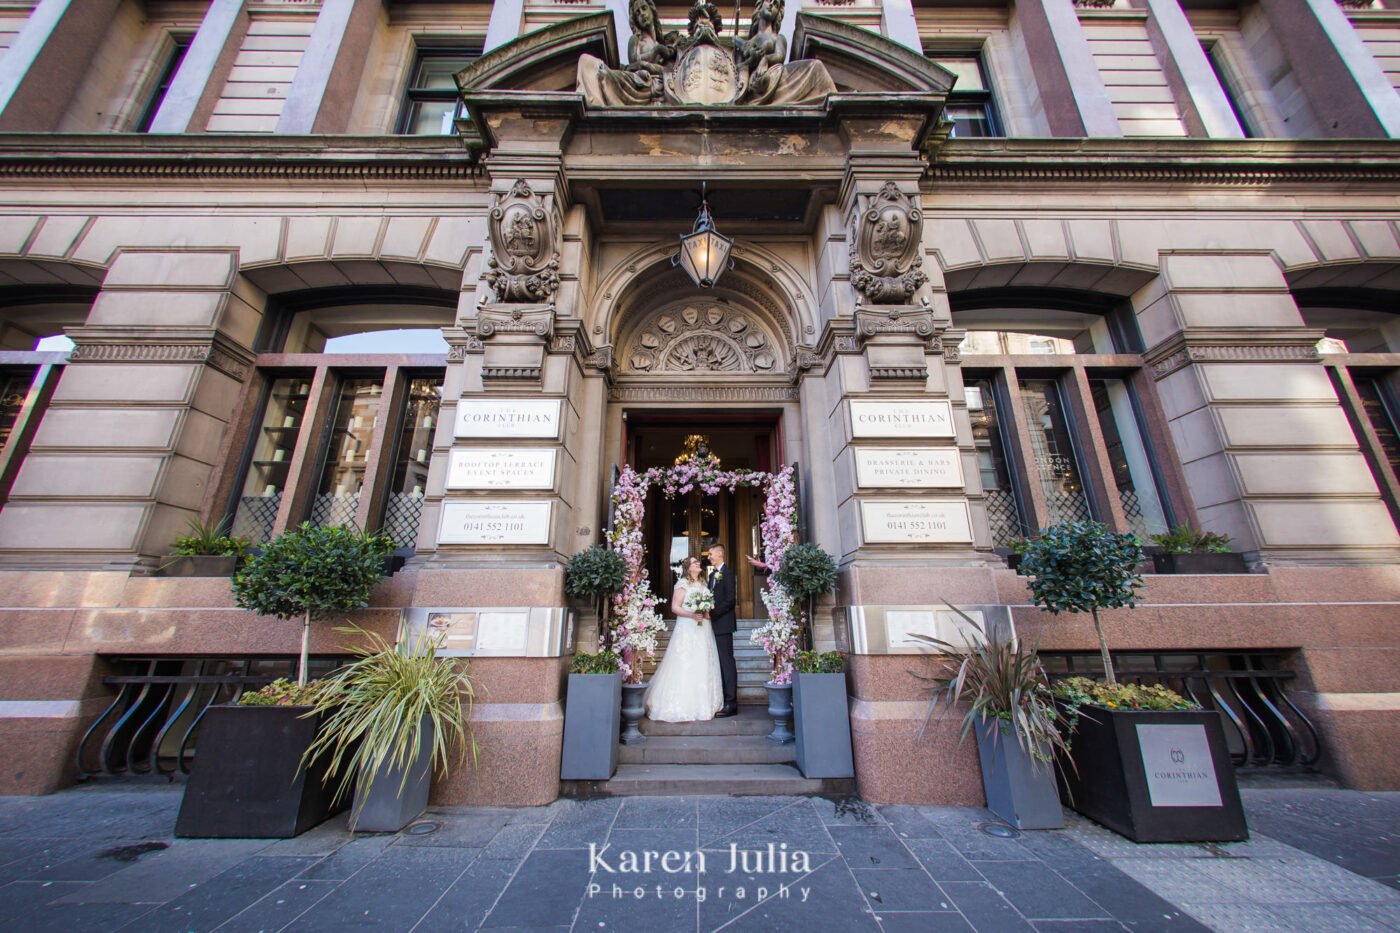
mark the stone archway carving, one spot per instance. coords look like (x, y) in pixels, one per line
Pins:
(700, 336)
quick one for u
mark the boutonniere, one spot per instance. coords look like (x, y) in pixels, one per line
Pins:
(719, 575)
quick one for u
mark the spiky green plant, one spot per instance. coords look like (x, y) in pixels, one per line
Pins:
(1002, 682)
(376, 706)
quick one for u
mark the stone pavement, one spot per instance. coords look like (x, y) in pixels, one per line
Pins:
(102, 858)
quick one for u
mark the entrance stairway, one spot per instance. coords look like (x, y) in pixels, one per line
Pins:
(722, 756)
(752, 663)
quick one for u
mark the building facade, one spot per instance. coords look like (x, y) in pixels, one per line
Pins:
(408, 264)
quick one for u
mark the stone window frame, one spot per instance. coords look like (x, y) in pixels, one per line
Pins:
(986, 98)
(323, 373)
(1346, 370)
(173, 48)
(425, 48)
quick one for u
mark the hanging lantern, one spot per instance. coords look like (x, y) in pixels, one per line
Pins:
(704, 251)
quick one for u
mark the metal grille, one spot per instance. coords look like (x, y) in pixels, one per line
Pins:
(1132, 511)
(330, 509)
(152, 725)
(401, 515)
(1064, 505)
(255, 517)
(1002, 515)
(1263, 727)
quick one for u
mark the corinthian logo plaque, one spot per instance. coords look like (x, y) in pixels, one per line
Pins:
(489, 522)
(1180, 771)
(909, 467)
(902, 418)
(917, 521)
(501, 468)
(507, 418)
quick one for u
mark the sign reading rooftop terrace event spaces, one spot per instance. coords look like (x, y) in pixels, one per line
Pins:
(484, 521)
(507, 417)
(937, 521)
(901, 418)
(1180, 771)
(501, 468)
(909, 467)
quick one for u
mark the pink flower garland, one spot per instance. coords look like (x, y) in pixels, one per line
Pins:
(778, 635)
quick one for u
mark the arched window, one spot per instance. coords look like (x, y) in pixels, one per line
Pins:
(347, 400)
(1361, 349)
(1063, 418)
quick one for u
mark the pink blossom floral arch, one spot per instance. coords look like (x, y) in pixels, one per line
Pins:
(634, 606)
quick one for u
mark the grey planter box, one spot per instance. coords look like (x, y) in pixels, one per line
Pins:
(1019, 789)
(392, 803)
(823, 726)
(592, 719)
(202, 565)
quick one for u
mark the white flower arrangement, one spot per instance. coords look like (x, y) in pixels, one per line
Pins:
(700, 601)
(638, 631)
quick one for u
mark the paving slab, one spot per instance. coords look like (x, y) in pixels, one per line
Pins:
(863, 868)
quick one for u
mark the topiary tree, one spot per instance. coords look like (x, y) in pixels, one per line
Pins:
(807, 572)
(596, 573)
(310, 573)
(1084, 567)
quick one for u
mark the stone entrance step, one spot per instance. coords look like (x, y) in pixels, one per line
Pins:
(752, 720)
(646, 780)
(707, 750)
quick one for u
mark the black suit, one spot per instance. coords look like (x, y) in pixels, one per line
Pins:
(724, 623)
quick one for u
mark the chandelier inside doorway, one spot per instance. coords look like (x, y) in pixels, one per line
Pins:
(634, 609)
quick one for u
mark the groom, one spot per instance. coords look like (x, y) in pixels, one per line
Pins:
(723, 624)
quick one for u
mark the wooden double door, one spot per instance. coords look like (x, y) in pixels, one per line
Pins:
(691, 523)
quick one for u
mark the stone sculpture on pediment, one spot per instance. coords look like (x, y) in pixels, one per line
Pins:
(524, 265)
(702, 67)
(886, 265)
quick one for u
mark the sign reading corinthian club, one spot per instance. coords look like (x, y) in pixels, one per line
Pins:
(916, 521)
(484, 521)
(507, 417)
(896, 418)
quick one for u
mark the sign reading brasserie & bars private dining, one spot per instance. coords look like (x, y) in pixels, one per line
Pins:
(909, 467)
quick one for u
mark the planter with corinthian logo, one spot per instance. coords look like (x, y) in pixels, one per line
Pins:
(1154, 776)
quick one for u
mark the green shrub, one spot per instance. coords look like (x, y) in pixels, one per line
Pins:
(209, 541)
(594, 572)
(310, 573)
(604, 662)
(1083, 567)
(282, 692)
(1183, 539)
(1084, 691)
(807, 572)
(810, 662)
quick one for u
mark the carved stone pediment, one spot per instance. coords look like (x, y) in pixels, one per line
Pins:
(886, 239)
(701, 337)
(524, 263)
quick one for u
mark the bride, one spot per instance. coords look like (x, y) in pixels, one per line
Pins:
(686, 686)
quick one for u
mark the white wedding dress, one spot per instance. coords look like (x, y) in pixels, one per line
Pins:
(686, 686)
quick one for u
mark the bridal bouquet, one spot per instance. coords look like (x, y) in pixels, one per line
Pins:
(698, 601)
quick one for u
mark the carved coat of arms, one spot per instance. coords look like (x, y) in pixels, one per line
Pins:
(524, 263)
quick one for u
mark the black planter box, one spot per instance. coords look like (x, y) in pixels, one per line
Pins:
(1232, 562)
(247, 783)
(202, 565)
(1150, 784)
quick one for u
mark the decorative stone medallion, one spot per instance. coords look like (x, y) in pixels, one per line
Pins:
(524, 265)
(701, 338)
(886, 267)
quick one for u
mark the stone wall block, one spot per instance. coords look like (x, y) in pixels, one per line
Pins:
(135, 268)
(157, 309)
